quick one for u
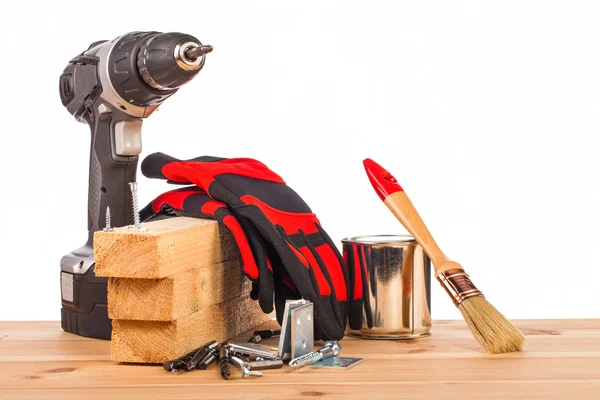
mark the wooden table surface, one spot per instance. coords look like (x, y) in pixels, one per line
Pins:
(562, 360)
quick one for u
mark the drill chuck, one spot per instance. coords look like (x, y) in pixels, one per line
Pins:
(166, 61)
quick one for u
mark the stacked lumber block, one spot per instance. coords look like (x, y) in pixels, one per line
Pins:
(173, 286)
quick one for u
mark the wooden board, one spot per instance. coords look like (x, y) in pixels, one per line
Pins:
(159, 341)
(562, 361)
(178, 295)
(162, 248)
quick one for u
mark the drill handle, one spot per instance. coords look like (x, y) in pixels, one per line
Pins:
(116, 141)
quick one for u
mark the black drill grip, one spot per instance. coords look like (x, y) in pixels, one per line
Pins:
(109, 176)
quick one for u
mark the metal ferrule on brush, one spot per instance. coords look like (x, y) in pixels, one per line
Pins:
(458, 285)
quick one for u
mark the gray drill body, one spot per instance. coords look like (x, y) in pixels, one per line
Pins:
(112, 87)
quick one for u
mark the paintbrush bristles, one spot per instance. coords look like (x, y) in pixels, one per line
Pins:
(492, 330)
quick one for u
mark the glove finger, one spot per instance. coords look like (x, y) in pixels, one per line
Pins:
(243, 173)
(254, 291)
(163, 166)
(334, 264)
(328, 265)
(318, 267)
(283, 287)
(265, 286)
(152, 166)
(284, 291)
(328, 323)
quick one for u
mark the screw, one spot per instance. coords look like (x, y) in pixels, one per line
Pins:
(255, 339)
(210, 358)
(248, 350)
(246, 373)
(174, 365)
(180, 363)
(268, 333)
(136, 207)
(224, 363)
(331, 349)
(245, 366)
(202, 356)
(107, 226)
(266, 364)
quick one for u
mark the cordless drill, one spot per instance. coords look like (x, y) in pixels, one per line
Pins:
(111, 87)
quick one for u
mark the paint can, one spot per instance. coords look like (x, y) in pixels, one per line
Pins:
(390, 284)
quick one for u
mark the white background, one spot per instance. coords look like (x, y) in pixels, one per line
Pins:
(488, 114)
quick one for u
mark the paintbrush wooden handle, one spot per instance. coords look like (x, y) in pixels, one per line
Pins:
(400, 205)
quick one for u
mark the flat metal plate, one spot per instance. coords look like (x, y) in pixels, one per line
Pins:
(285, 339)
(338, 362)
(302, 339)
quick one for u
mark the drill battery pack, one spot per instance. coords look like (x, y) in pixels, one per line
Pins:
(84, 305)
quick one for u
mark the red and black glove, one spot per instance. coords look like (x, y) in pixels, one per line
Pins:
(194, 202)
(303, 249)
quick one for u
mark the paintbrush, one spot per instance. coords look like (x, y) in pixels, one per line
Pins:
(491, 329)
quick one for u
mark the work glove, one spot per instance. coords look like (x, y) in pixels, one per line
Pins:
(192, 201)
(299, 248)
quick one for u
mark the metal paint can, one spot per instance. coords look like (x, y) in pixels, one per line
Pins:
(390, 276)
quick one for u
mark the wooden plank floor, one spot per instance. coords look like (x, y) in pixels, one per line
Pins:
(562, 360)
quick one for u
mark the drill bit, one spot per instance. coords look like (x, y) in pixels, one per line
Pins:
(199, 51)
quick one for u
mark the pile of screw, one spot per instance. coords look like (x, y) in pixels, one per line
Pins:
(200, 358)
(250, 359)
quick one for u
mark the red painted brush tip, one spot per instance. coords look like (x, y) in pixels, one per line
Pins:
(383, 182)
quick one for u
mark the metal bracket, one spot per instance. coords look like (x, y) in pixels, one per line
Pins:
(296, 329)
(302, 333)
